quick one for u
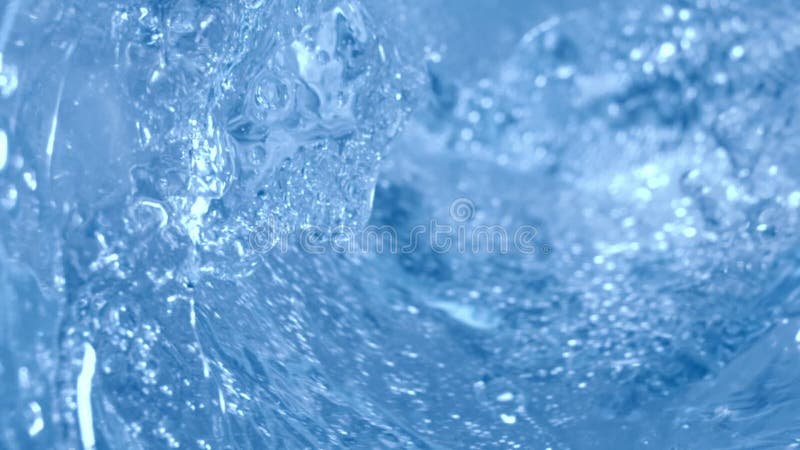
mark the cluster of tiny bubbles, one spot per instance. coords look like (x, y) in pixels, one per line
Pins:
(658, 151)
(293, 103)
(165, 134)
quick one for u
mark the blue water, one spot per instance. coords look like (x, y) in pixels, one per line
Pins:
(420, 225)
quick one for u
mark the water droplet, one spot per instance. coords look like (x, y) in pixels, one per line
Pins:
(3, 149)
(666, 51)
(508, 419)
(505, 397)
(38, 423)
(737, 52)
(794, 199)
(30, 180)
(8, 79)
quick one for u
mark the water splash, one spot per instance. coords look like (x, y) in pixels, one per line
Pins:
(653, 148)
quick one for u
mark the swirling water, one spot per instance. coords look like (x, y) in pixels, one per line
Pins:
(153, 153)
